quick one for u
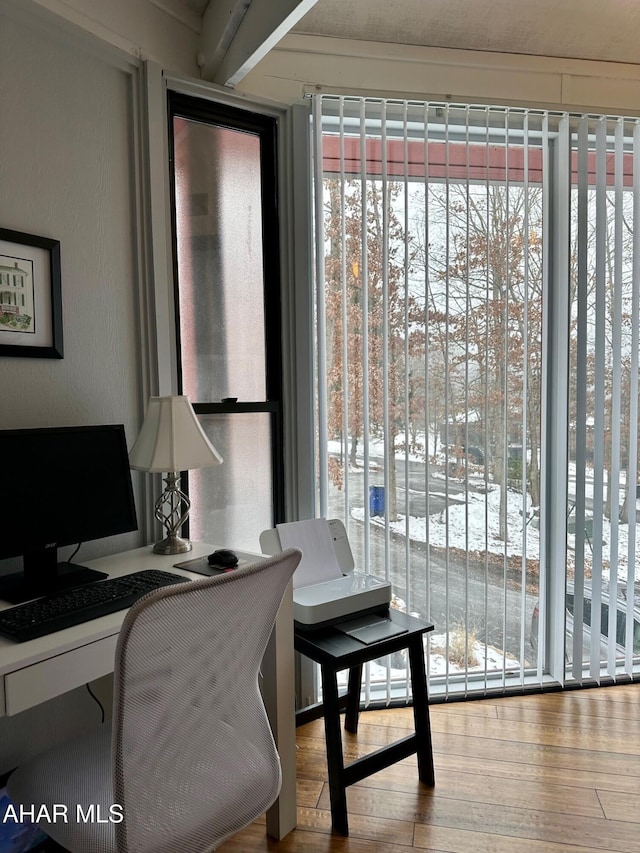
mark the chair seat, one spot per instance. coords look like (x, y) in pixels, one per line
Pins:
(86, 780)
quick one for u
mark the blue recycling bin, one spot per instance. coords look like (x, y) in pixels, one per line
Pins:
(376, 500)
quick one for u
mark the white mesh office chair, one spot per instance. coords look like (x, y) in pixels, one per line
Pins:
(190, 756)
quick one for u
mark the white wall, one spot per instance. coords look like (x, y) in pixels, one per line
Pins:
(161, 30)
(66, 172)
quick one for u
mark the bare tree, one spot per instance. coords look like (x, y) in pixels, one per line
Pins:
(485, 277)
(392, 335)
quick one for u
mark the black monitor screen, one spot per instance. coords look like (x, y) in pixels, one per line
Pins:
(62, 486)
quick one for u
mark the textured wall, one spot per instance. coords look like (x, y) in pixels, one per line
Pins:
(166, 31)
(66, 173)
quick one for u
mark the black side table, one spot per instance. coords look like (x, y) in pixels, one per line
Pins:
(334, 651)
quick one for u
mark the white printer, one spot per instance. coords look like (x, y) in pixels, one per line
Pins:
(326, 588)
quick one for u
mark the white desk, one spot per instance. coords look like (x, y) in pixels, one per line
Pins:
(38, 670)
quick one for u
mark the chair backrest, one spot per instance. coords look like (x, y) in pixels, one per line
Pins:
(193, 754)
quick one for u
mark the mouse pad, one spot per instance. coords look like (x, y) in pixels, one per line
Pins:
(200, 566)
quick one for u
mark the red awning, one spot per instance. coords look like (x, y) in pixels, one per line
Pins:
(473, 162)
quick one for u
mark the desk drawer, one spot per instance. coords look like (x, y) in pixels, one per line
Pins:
(34, 684)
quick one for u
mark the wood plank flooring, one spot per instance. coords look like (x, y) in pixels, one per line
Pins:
(552, 773)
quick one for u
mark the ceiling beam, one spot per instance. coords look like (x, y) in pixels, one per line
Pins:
(237, 34)
(220, 23)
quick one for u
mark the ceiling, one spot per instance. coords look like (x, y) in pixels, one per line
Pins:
(603, 30)
(577, 29)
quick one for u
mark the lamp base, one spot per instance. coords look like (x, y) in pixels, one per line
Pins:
(172, 545)
(172, 509)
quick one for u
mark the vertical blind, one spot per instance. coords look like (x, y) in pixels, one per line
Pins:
(464, 254)
(603, 395)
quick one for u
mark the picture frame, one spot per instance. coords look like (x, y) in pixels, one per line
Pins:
(30, 296)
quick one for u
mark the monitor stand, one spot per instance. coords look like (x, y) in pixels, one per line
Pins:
(44, 575)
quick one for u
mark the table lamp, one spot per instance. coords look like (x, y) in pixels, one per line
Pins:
(171, 440)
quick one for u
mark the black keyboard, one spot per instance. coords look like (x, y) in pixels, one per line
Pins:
(80, 604)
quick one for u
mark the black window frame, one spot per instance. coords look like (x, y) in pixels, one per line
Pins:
(265, 127)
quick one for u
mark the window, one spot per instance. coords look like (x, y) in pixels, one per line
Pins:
(602, 388)
(477, 329)
(224, 171)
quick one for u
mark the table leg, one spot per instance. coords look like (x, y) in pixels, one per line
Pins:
(335, 759)
(422, 722)
(353, 699)
(278, 691)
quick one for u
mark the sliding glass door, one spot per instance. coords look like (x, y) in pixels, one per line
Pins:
(477, 351)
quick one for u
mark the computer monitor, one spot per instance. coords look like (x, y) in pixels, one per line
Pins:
(61, 486)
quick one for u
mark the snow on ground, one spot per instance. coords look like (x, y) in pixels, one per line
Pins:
(471, 525)
(481, 658)
(472, 522)
(474, 526)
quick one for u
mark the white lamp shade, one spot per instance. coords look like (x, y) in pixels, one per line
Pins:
(171, 438)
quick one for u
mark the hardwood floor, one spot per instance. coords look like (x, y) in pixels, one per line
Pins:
(558, 772)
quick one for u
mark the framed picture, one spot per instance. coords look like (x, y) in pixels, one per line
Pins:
(30, 296)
